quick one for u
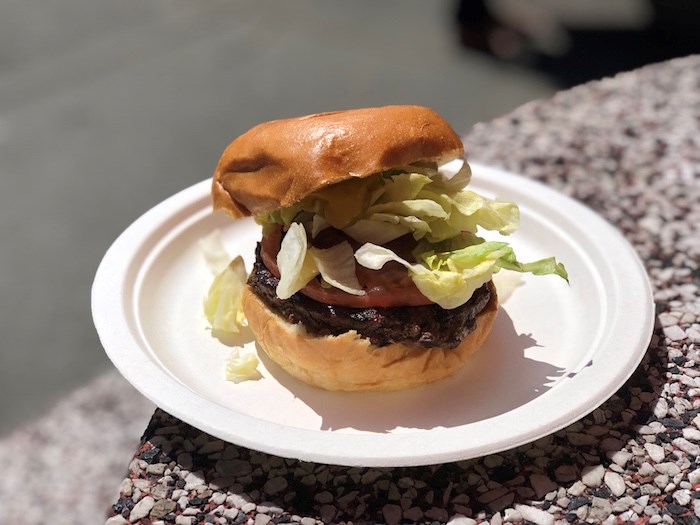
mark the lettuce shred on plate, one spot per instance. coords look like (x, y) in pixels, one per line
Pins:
(223, 304)
(242, 365)
(451, 260)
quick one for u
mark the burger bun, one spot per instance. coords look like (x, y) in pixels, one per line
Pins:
(349, 362)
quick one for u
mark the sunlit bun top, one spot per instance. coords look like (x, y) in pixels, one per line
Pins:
(278, 163)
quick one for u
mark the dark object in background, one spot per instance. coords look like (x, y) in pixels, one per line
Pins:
(571, 54)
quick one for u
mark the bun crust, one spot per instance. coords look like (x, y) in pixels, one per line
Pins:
(278, 163)
(349, 362)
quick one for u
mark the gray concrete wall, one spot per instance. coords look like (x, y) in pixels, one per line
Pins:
(106, 108)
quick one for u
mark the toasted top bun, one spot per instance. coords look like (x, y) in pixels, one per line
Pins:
(278, 163)
(349, 362)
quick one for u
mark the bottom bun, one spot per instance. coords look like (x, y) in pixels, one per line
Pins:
(350, 362)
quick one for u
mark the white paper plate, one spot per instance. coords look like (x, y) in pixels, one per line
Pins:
(556, 353)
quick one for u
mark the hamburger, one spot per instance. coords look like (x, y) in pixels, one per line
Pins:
(370, 273)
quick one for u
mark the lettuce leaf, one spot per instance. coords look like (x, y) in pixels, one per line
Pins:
(376, 231)
(223, 305)
(337, 267)
(456, 182)
(462, 253)
(446, 285)
(295, 264)
(449, 278)
(375, 257)
(298, 264)
(548, 266)
(242, 365)
(404, 187)
(318, 224)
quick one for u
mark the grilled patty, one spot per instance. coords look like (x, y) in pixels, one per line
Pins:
(425, 326)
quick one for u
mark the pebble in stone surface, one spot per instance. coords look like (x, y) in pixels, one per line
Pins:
(656, 452)
(593, 476)
(615, 483)
(141, 509)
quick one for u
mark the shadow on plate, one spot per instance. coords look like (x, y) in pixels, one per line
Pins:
(497, 380)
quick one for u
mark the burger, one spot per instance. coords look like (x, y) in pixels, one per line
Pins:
(371, 273)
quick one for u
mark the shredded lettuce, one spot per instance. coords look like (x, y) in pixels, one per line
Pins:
(450, 278)
(337, 267)
(242, 365)
(375, 257)
(318, 224)
(472, 265)
(446, 287)
(548, 266)
(376, 231)
(451, 260)
(441, 207)
(223, 304)
(296, 266)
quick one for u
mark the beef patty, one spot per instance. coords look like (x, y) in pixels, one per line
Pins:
(426, 326)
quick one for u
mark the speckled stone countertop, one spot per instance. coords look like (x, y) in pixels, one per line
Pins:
(628, 147)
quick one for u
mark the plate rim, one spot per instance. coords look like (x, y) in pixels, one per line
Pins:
(110, 299)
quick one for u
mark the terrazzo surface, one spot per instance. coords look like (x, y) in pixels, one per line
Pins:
(628, 147)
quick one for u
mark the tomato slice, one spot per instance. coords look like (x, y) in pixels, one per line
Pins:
(387, 287)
